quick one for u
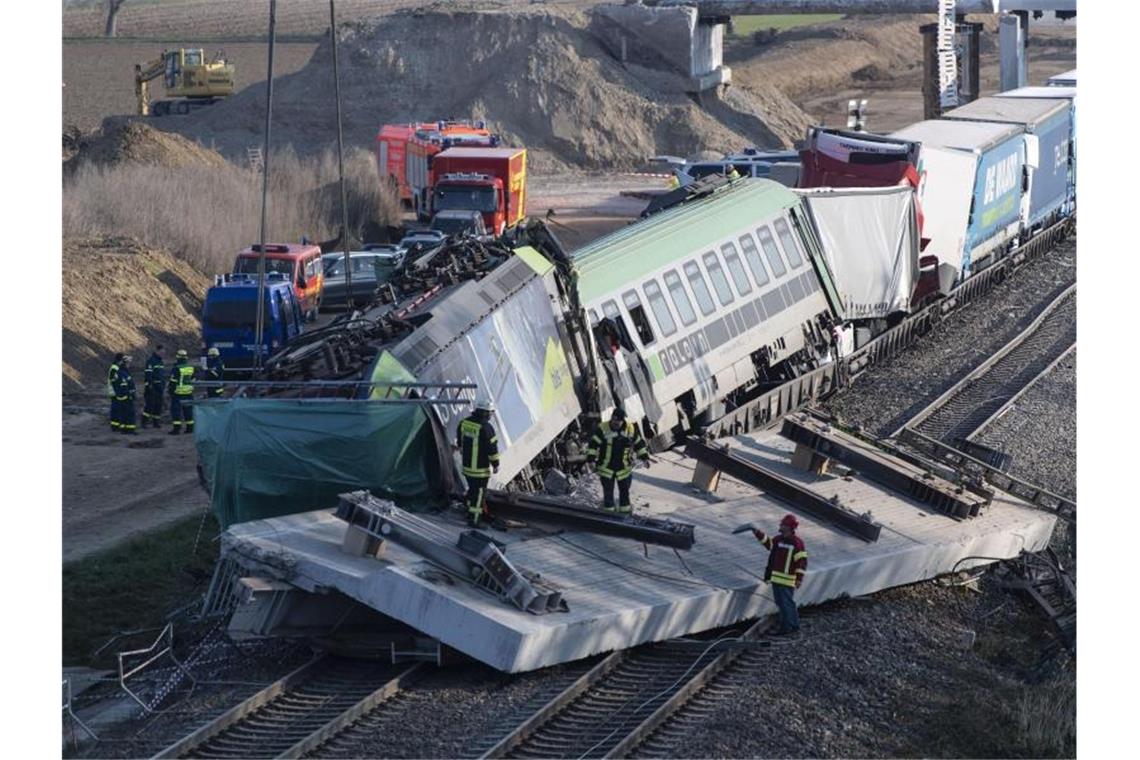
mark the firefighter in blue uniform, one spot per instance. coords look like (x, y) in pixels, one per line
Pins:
(215, 372)
(479, 449)
(181, 385)
(123, 401)
(154, 383)
(612, 449)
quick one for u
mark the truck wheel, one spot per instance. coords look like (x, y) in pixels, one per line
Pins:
(161, 108)
(182, 108)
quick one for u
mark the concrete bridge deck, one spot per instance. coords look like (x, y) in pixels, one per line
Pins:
(622, 593)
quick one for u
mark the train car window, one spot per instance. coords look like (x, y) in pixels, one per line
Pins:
(639, 317)
(660, 308)
(594, 316)
(680, 297)
(700, 287)
(752, 256)
(736, 269)
(720, 282)
(788, 240)
(771, 252)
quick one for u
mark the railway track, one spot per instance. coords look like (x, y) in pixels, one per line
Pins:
(972, 403)
(630, 698)
(298, 713)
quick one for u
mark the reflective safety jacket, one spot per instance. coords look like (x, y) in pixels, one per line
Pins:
(181, 379)
(154, 375)
(478, 445)
(613, 450)
(787, 560)
(215, 373)
(123, 386)
(112, 373)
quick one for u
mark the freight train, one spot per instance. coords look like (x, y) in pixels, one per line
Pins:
(729, 287)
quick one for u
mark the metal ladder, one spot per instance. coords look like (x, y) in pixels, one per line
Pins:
(947, 57)
(256, 160)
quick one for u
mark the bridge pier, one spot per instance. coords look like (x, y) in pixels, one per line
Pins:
(677, 36)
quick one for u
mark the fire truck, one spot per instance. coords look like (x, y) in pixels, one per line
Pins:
(403, 152)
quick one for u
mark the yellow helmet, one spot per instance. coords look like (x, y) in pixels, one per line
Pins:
(181, 354)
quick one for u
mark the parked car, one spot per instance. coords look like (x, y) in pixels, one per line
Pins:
(425, 239)
(369, 269)
(459, 222)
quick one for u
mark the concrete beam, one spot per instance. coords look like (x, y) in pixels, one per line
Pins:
(759, 7)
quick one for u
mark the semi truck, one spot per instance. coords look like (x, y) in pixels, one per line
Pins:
(491, 181)
(404, 153)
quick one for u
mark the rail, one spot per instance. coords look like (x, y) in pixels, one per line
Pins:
(624, 699)
(299, 712)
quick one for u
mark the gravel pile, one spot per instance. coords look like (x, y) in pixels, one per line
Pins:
(884, 397)
(922, 671)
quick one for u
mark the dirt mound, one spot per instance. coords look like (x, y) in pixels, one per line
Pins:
(539, 76)
(828, 56)
(120, 296)
(135, 142)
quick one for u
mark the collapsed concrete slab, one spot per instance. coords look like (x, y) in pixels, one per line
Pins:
(621, 593)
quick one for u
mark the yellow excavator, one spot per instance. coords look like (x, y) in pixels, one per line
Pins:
(188, 78)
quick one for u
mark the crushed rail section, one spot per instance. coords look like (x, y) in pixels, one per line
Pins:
(551, 512)
(788, 491)
(957, 501)
(476, 558)
(993, 475)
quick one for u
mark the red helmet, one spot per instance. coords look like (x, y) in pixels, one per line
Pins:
(790, 521)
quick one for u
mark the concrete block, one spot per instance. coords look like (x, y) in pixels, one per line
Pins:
(706, 477)
(806, 459)
(359, 544)
(719, 78)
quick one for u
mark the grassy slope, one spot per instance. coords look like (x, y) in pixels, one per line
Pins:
(134, 586)
(744, 26)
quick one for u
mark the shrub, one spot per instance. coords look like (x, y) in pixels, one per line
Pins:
(204, 215)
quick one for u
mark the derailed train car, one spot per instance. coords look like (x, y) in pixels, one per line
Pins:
(726, 289)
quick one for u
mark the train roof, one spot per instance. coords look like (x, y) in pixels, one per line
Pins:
(1010, 110)
(626, 255)
(959, 135)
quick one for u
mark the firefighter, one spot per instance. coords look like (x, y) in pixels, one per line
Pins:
(612, 448)
(123, 402)
(215, 372)
(787, 563)
(112, 374)
(154, 380)
(479, 448)
(181, 385)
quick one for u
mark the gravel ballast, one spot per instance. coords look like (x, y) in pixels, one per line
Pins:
(885, 396)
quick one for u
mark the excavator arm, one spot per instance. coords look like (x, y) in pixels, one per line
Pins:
(144, 72)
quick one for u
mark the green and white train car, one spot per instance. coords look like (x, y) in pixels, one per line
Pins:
(705, 300)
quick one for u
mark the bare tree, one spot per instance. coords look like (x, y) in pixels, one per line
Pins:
(113, 7)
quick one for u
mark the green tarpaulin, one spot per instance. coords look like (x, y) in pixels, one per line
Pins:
(271, 457)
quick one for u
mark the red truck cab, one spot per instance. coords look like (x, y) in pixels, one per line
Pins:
(299, 262)
(404, 153)
(491, 181)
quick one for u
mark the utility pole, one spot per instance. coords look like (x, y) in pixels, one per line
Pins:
(340, 159)
(259, 329)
